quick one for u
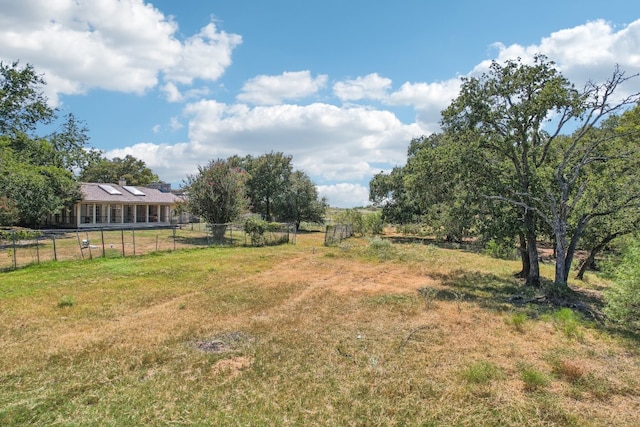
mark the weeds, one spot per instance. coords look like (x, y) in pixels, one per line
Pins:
(66, 301)
(481, 372)
(517, 320)
(569, 323)
(533, 379)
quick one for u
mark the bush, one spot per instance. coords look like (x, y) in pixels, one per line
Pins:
(500, 250)
(381, 248)
(622, 298)
(255, 228)
(373, 223)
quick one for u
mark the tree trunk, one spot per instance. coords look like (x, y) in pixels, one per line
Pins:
(533, 276)
(595, 251)
(568, 260)
(560, 281)
(524, 257)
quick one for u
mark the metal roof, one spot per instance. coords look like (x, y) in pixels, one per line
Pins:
(93, 192)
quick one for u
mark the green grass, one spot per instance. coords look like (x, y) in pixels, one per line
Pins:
(291, 335)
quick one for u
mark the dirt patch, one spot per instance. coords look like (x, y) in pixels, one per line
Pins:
(223, 343)
(232, 367)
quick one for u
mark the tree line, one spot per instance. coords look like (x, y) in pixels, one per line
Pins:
(524, 156)
(267, 185)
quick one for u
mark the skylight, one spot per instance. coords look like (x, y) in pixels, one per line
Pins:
(109, 189)
(133, 190)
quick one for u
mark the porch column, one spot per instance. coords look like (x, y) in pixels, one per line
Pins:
(78, 218)
(147, 213)
(94, 213)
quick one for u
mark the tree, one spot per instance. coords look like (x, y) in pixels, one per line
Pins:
(217, 192)
(129, 168)
(300, 201)
(618, 213)
(36, 177)
(506, 112)
(437, 179)
(69, 143)
(23, 106)
(268, 180)
(30, 191)
(389, 192)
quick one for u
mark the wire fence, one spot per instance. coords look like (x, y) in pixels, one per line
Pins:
(336, 233)
(20, 248)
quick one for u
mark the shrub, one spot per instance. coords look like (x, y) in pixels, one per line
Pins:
(500, 250)
(381, 248)
(373, 223)
(622, 298)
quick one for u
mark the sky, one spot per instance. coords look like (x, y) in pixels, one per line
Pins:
(342, 86)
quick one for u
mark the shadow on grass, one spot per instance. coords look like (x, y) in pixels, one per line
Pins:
(464, 246)
(506, 294)
(487, 290)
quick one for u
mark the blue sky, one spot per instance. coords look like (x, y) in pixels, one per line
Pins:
(342, 86)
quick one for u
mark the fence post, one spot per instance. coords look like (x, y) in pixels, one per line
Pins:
(55, 251)
(15, 248)
(37, 250)
(88, 245)
(133, 235)
(79, 243)
(104, 253)
(122, 237)
(174, 238)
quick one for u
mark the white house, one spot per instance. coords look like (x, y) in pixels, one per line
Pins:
(111, 205)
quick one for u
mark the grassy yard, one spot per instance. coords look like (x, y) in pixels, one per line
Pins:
(371, 334)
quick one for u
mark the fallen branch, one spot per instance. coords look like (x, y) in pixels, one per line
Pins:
(411, 334)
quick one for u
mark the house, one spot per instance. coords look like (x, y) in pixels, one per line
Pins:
(111, 205)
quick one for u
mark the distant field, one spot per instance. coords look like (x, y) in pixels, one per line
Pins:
(366, 333)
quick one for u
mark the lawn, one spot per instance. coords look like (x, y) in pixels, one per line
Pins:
(365, 333)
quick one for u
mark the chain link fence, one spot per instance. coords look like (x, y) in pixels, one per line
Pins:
(336, 233)
(19, 248)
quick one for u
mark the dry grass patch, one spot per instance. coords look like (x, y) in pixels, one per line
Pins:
(302, 335)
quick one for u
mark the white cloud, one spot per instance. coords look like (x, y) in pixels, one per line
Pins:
(130, 46)
(328, 142)
(290, 85)
(371, 86)
(175, 124)
(204, 56)
(345, 195)
(123, 46)
(583, 53)
(171, 92)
